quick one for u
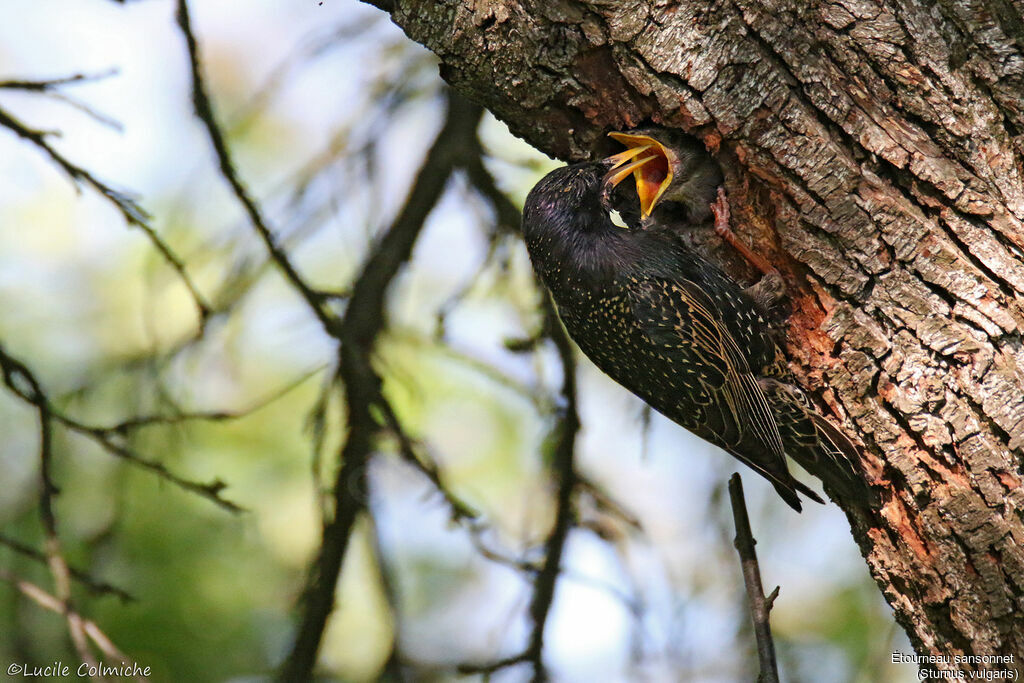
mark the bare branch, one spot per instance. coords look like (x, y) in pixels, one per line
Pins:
(535, 394)
(607, 504)
(88, 627)
(50, 84)
(459, 296)
(495, 666)
(564, 469)
(211, 491)
(47, 490)
(204, 111)
(509, 218)
(93, 585)
(51, 87)
(422, 462)
(54, 557)
(363, 322)
(132, 213)
(140, 421)
(760, 605)
(23, 384)
(393, 668)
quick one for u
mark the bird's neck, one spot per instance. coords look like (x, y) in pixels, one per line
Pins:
(592, 256)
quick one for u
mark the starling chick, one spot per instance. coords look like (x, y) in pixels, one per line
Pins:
(674, 329)
(680, 171)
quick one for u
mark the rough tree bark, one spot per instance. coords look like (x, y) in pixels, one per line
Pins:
(873, 151)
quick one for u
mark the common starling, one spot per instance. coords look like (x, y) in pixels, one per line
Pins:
(673, 328)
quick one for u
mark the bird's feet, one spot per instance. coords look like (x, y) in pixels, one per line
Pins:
(720, 209)
(770, 289)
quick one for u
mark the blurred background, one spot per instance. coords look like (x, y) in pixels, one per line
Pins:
(329, 110)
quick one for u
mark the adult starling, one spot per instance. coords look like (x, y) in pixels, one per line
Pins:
(671, 327)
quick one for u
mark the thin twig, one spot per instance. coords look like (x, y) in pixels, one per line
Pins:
(536, 395)
(426, 465)
(394, 666)
(52, 87)
(760, 605)
(88, 627)
(21, 381)
(133, 214)
(495, 666)
(210, 490)
(48, 84)
(503, 558)
(204, 111)
(607, 504)
(140, 421)
(507, 219)
(93, 585)
(460, 295)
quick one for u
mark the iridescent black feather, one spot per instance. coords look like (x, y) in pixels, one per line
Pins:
(672, 328)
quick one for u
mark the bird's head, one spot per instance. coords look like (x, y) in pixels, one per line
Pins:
(580, 198)
(569, 199)
(665, 168)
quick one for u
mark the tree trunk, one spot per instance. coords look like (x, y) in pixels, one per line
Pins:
(873, 151)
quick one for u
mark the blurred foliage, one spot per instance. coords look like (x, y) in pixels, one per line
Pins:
(330, 109)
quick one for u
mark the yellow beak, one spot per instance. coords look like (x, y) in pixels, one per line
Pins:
(652, 170)
(618, 172)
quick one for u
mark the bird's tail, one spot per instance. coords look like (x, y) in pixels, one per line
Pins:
(785, 484)
(817, 445)
(837, 463)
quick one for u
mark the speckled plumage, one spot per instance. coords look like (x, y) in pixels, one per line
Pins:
(670, 327)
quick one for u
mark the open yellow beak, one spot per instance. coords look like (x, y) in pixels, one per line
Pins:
(619, 172)
(652, 168)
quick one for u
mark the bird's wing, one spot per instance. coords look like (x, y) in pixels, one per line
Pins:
(680, 319)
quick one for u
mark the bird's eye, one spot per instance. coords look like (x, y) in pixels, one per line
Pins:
(616, 219)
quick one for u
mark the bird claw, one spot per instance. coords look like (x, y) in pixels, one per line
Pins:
(720, 209)
(768, 291)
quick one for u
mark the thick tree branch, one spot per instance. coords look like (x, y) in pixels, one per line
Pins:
(363, 322)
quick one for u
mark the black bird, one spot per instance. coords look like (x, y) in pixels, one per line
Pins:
(671, 327)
